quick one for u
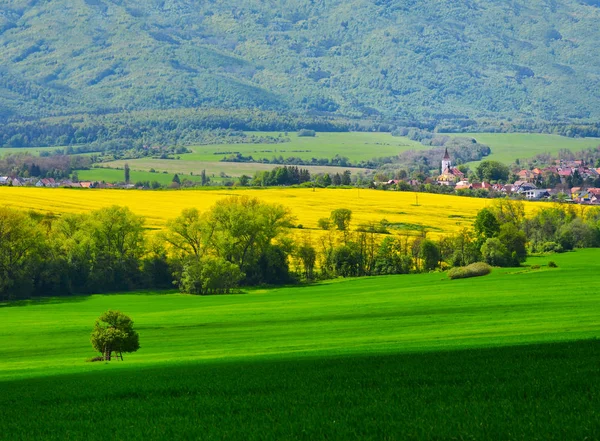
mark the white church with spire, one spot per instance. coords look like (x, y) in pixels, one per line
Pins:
(450, 175)
(446, 162)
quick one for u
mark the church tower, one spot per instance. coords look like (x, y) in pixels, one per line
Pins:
(446, 163)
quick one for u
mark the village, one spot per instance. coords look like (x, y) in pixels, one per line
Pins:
(570, 181)
(566, 181)
(58, 183)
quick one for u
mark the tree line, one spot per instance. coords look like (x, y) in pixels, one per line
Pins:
(176, 126)
(242, 241)
(54, 166)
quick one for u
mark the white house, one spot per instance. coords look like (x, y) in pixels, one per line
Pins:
(536, 193)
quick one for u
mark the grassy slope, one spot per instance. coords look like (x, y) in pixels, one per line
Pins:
(386, 314)
(355, 359)
(31, 150)
(111, 175)
(357, 146)
(506, 147)
(213, 169)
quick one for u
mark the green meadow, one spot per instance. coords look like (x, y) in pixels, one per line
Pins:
(357, 146)
(30, 150)
(114, 175)
(213, 169)
(506, 147)
(512, 355)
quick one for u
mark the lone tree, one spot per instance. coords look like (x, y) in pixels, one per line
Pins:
(113, 332)
(127, 173)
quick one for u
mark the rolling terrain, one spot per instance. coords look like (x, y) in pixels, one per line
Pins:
(413, 356)
(355, 146)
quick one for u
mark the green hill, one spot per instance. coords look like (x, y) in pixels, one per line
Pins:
(399, 58)
(513, 355)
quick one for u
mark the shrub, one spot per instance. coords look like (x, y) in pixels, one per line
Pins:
(209, 275)
(552, 264)
(495, 253)
(474, 270)
(551, 247)
(535, 267)
(324, 223)
(306, 132)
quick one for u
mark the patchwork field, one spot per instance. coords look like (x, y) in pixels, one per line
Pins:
(506, 147)
(506, 356)
(357, 146)
(436, 214)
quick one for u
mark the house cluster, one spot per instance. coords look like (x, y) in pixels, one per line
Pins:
(530, 183)
(562, 169)
(53, 183)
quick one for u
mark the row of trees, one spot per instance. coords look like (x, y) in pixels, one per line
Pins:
(280, 176)
(335, 161)
(108, 250)
(55, 166)
(243, 241)
(105, 250)
(175, 126)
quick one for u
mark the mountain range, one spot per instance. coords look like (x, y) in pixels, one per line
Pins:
(436, 59)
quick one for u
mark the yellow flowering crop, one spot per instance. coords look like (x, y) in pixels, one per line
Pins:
(438, 214)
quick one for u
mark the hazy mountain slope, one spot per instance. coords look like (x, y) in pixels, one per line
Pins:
(505, 58)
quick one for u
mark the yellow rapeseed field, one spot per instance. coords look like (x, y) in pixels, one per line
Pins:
(438, 214)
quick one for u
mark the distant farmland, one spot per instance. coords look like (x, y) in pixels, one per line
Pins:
(436, 214)
(214, 169)
(356, 146)
(507, 147)
(113, 175)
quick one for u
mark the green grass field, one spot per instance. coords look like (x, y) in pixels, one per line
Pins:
(506, 147)
(31, 150)
(112, 175)
(399, 357)
(356, 146)
(213, 169)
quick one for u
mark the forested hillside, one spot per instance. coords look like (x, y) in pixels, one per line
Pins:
(426, 59)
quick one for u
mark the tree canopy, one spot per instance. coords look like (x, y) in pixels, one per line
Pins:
(421, 60)
(113, 332)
